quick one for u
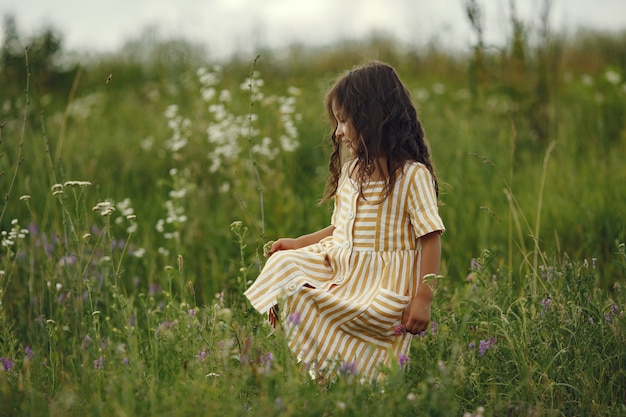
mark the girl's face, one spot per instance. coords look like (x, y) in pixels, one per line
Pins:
(344, 130)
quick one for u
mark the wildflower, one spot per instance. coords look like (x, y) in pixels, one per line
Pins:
(472, 345)
(266, 361)
(547, 272)
(434, 327)
(125, 361)
(410, 396)
(615, 309)
(80, 184)
(475, 265)
(399, 330)
(167, 325)
(24, 197)
(104, 208)
(153, 289)
(546, 302)
(348, 368)
(201, 355)
(29, 352)
(57, 189)
(86, 342)
(99, 363)
(191, 312)
(593, 262)
(294, 318)
(341, 405)
(403, 360)
(7, 364)
(485, 345)
(613, 77)
(591, 320)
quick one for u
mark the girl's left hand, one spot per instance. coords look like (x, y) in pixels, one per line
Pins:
(416, 317)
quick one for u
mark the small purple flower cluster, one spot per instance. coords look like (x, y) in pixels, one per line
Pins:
(294, 318)
(547, 272)
(266, 361)
(403, 360)
(201, 355)
(613, 311)
(7, 363)
(99, 363)
(348, 368)
(484, 345)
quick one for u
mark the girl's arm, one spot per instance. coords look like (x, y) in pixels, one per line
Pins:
(302, 241)
(417, 315)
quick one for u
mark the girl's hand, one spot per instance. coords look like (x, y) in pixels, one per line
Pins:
(281, 244)
(416, 317)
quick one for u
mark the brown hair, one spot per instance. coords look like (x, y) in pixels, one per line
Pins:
(379, 107)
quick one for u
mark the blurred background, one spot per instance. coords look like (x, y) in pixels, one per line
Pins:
(229, 26)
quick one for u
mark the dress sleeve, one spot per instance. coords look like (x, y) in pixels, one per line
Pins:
(422, 202)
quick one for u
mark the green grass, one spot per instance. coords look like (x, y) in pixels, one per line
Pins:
(139, 311)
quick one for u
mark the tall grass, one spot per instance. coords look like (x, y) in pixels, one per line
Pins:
(131, 226)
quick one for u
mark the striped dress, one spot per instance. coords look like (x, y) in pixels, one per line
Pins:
(342, 298)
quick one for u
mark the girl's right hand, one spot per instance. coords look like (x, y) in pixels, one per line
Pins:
(284, 243)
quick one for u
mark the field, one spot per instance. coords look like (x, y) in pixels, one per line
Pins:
(138, 190)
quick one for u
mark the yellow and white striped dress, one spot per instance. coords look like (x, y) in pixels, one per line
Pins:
(342, 298)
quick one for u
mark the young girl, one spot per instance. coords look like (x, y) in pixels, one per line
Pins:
(353, 293)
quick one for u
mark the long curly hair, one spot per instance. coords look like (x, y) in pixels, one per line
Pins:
(379, 106)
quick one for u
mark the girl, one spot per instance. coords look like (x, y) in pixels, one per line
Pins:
(353, 293)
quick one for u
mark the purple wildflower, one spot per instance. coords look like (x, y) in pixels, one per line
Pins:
(485, 345)
(472, 345)
(547, 272)
(607, 317)
(591, 320)
(7, 364)
(434, 327)
(546, 302)
(125, 361)
(86, 342)
(153, 289)
(399, 330)
(403, 360)
(29, 352)
(348, 368)
(475, 265)
(99, 363)
(266, 361)
(201, 355)
(294, 318)
(167, 325)
(615, 309)
(191, 312)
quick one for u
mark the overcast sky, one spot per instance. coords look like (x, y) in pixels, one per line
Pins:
(227, 25)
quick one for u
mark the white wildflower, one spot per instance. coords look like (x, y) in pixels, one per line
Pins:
(104, 208)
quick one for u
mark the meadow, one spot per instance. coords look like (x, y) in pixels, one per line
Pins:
(139, 188)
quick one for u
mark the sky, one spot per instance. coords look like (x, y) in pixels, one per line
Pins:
(225, 26)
